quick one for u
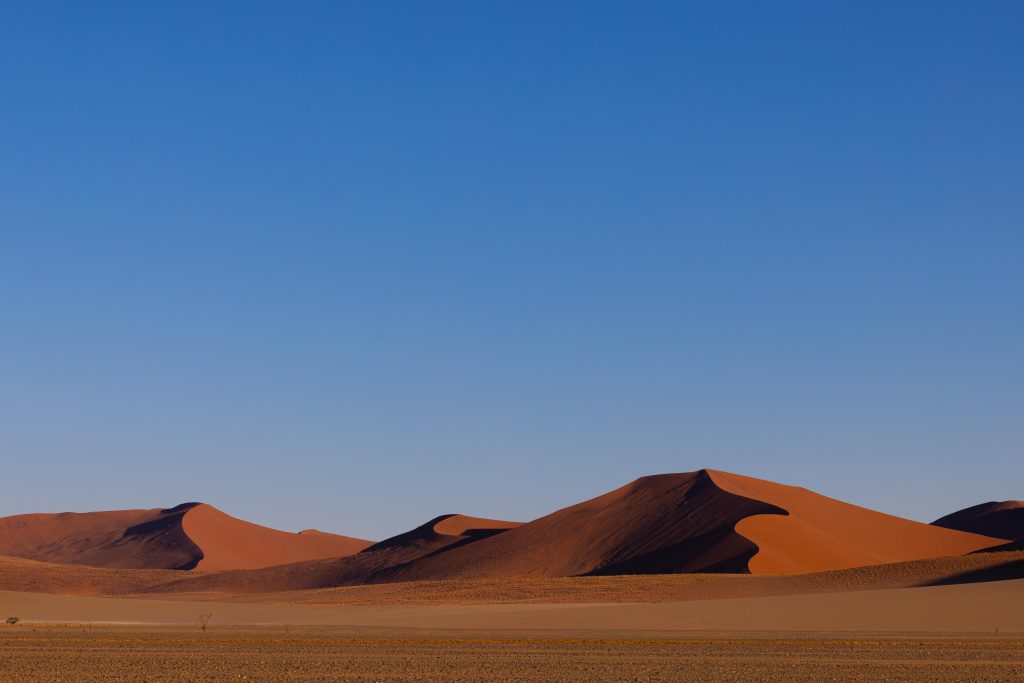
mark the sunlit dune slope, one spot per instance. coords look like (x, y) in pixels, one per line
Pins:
(821, 533)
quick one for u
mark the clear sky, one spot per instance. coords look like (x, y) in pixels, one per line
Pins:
(354, 265)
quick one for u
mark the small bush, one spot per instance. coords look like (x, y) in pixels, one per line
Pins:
(13, 620)
(204, 619)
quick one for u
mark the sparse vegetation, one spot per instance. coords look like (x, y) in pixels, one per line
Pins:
(204, 619)
(13, 620)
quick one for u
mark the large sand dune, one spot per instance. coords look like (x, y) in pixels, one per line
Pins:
(705, 521)
(188, 536)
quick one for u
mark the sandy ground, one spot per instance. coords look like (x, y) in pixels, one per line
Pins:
(963, 632)
(103, 654)
(975, 608)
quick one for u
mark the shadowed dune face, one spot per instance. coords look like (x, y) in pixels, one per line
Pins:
(1003, 520)
(821, 533)
(188, 536)
(464, 525)
(442, 532)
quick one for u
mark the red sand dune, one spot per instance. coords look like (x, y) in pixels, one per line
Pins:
(191, 535)
(822, 533)
(700, 521)
(380, 562)
(704, 521)
(442, 532)
(999, 519)
(660, 524)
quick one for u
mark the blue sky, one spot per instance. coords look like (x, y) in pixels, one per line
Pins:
(353, 265)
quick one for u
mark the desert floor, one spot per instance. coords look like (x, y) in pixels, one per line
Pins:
(961, 608)
(81, 653)
(968, 632)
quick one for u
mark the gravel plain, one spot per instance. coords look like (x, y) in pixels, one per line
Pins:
(129, 654)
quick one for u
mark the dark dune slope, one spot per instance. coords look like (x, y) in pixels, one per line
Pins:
(999, 519)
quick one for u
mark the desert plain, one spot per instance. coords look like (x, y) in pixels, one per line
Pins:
(696, 576)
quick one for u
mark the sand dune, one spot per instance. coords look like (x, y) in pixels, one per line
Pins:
(229, 543)
(999, 519)
(383, 561)
(188, 536)
(661, 524)
(442, 532)
(704, 521)
(821, 533)
(700, 521)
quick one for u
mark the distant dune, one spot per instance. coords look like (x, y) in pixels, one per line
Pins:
(442, 532)
(705, 521)
(695, 522)
(381, 562)
(188, 536)
(1003, 520)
